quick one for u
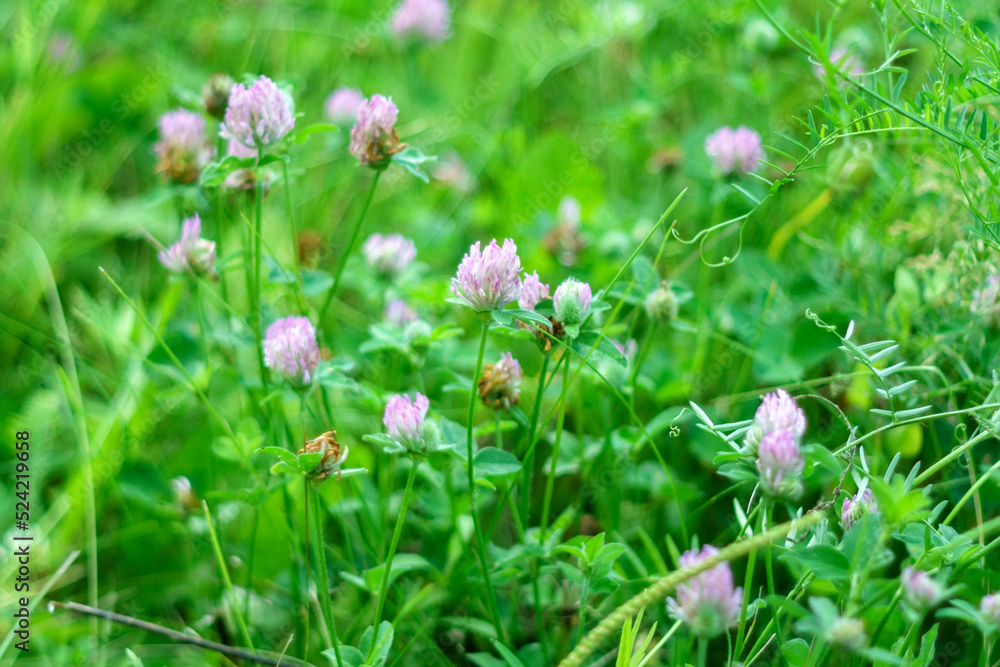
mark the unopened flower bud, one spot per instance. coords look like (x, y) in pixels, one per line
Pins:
(661, 304)
(572, 301)
(847, 634)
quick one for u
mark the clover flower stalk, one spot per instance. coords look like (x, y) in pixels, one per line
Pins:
(780, 463)
(856, 507)
(191, 253)
(389, 255)
(425, 20)
(373, 141)
(777, 412)
(734, 151)
(291, 350)
(486, 280)
(405, 421)
(708, 603)
(333, 456)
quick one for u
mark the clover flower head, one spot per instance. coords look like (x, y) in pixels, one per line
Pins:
(533, 290)
(426, 20)
(373, 138)
(777, 412)
(780, 463)
(572, 301)
(389, 255)
(856, 507)
(191, 252)
(404, 420)
(989, 611)
(342, 105)
(398, 313)
(488, 279)
(500, 383)
(182, 150)
(661, 304)
(734, 151)
(334, 454)
(291, 350)
(258, 116)
(847, 634)
(920, 590)
(707, 602)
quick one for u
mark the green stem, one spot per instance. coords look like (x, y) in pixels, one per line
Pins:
(528, 466)
(350, 246)
(220, 559)
(551, 481)
(289, 213)
(470, 451)
(257, 253)
(768, 512)
(582, 618)
(747, 588)
(392, 552)
(319, 555)
(702, 651)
